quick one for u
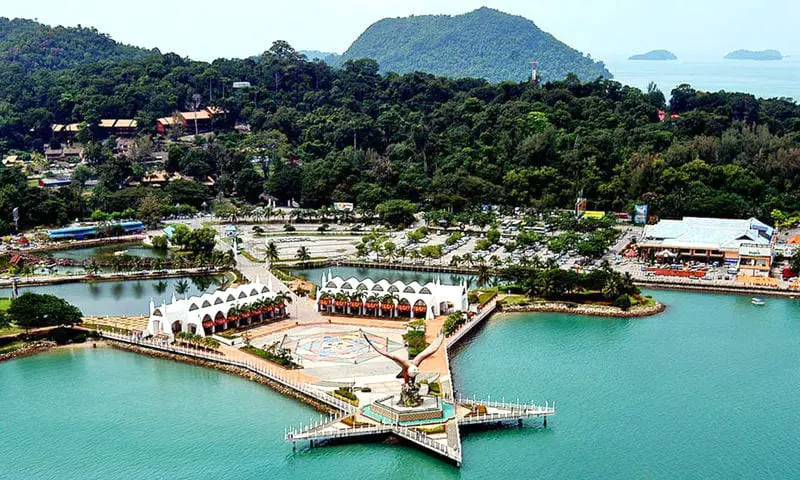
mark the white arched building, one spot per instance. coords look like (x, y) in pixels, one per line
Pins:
(355, 296)
(214, 312)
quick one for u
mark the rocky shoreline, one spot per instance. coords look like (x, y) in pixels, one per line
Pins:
(289, 392)
(28, 350)
(590, 310)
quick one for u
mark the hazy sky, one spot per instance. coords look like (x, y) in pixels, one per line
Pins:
(205, 30)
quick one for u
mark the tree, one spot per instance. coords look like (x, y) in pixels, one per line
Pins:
(33, 310)
(272, 253)
(151, 211)
(181, 287)
(201, 240)
(484, 275)
(303, 255)
(396, 213)
(795, 262)
(249, 184)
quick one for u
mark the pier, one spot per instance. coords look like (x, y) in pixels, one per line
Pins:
(331, 352)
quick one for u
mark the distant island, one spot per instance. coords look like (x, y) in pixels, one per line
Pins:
(754, 55)
(654, 55)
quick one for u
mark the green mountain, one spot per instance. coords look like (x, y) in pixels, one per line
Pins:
(654, 55)
(485, 43)
(33, 45)
(754, 55)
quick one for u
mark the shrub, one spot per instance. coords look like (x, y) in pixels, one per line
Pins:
(623, 302)
(289, 227)
(483, 244)
(416, 342)
(453, 238)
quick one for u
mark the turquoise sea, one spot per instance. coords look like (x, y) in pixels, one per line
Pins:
(706, 390)
(761, 78)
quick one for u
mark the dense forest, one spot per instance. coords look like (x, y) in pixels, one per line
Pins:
(321, 134)
(485, 43)
(30, 45)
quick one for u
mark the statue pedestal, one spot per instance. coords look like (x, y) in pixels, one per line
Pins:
(431, 410)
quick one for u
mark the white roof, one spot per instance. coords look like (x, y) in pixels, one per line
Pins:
(707, 233)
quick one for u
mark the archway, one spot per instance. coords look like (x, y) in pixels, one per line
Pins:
(208, 324)
(192, 328)
(404, 308)
(219, 322)
(420, 309)
(176, 327)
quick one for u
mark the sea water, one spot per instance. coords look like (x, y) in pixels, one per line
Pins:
(767, 79)
(708, 389)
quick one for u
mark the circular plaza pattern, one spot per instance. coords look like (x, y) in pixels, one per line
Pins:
(347, 347)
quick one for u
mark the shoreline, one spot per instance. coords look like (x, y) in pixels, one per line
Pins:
(588, 310)
(772, 292)
(111, 277)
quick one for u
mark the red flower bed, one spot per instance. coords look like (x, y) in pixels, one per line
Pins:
(371, 305)
(404, 308)
(420, 308)
(220, 321)
(339, 303)
(387, 306)
(324, 302)
(208, 323)
(680, 273)
(355, 304)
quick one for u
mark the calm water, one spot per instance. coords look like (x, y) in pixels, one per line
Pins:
(315, 275)
(706, 390)
(763, 79)
(81, 254)
(129, 297)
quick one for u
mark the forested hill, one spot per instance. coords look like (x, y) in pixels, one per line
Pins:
(484, 43)
(33, 45)
(353, 135)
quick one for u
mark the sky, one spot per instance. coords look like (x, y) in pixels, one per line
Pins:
(611, 30)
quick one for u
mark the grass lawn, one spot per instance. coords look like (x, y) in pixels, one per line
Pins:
(5, 302)
(10, 330)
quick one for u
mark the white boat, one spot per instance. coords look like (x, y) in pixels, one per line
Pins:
(757, 301)
(120, 253)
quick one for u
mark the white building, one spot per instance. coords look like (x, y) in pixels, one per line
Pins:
(706, 239)
(209, 313)
(353, 296)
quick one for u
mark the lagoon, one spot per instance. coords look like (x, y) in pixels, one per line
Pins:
(315, 275)
(707, 389)
(126, 297)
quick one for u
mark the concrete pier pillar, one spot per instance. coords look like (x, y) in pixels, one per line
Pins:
(545, 421)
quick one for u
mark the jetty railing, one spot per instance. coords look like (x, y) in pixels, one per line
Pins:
(471, 323)
(424, 440)
(273, 375)
(312, 432)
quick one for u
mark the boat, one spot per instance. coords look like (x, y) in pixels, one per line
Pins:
(120, 253)
(757, 301)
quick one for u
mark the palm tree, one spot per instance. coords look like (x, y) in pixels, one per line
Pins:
(181, 287)
(303, 255)
(211, 343)
(282, 299)
(272, 253)
(483, 276)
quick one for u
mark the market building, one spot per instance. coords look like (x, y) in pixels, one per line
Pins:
(744, 243)
(367, 297)
(214, 312)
